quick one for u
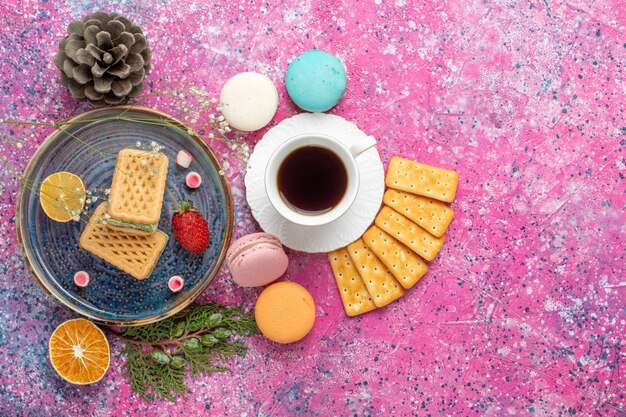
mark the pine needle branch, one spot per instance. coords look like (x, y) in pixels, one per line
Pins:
(198, 341)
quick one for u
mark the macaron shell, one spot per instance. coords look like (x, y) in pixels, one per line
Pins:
(256, 260)
(248, 240)
(285, 312)
(249, 101)
(316, 80)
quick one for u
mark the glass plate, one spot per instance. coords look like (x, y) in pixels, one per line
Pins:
(88, 147)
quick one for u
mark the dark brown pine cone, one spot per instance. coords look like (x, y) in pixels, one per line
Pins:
(104, 59)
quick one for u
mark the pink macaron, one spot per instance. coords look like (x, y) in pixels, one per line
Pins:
(257, 259)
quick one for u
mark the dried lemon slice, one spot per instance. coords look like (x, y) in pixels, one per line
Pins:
(62, 196)
(79, 352)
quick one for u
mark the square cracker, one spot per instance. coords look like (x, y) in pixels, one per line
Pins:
(383, 287)
(407, 232)
(354, 296)
(416, 178)
(434, 216)
(133, 254)
(402, 262)
(138, 185)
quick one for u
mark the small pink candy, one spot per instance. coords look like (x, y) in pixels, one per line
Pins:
(193, 180)
(81, 278)
(176, 283)
(184, 159)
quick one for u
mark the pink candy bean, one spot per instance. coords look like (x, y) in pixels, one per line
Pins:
(81, 278)
(193, 180)
(176, 283)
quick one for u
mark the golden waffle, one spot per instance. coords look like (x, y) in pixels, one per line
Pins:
(133, 254)
(138, 185)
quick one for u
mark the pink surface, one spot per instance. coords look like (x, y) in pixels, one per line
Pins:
(522, 312)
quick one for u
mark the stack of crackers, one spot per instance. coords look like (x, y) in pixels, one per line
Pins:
(123, 231)
(409, 230)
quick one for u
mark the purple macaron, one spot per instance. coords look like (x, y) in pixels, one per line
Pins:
(257, 259)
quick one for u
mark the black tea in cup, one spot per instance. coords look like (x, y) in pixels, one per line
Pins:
(312, 180)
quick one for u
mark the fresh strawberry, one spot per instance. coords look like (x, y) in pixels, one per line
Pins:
(190, 228)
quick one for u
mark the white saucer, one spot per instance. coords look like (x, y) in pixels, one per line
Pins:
(338, 233)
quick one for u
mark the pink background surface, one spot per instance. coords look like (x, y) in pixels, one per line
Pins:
(522, 313)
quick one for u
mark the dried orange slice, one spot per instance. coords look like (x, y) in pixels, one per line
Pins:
(79, 352)
(62, 196)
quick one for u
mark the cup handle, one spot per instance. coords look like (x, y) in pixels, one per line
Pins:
(361, 145)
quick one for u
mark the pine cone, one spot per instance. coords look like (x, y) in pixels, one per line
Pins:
(104, 59)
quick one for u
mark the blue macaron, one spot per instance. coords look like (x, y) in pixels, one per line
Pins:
(316, 81)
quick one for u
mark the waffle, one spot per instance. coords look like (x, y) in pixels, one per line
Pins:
(136, 196)
(133, 254)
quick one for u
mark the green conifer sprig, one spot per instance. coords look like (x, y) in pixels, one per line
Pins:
(197, 341)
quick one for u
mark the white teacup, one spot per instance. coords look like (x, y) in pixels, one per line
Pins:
(346, 155)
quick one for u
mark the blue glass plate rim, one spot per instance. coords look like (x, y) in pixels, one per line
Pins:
(36, 270)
